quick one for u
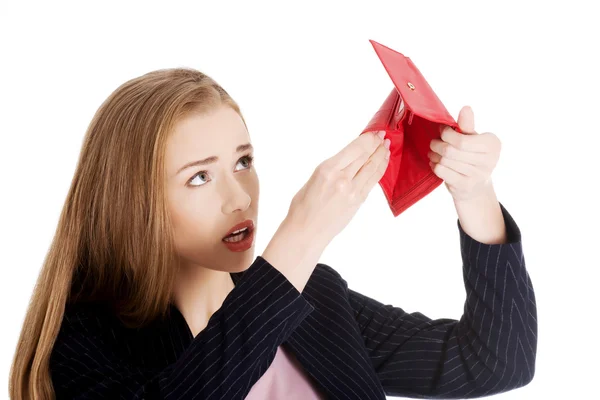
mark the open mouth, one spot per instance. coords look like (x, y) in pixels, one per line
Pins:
(238, 236)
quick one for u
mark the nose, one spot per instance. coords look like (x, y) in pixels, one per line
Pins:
(236, 197)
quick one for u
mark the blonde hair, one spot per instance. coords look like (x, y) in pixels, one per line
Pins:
(113, 241)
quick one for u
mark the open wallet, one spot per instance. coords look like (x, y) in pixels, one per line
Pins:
(412, 116)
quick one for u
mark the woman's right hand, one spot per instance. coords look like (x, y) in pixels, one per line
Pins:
(339, 186)
(325, 205)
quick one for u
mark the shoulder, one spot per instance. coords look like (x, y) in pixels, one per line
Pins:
(84, 327)
(87, 317)
(325, 274)
(93, 354)
(327, 270)
(78, 334)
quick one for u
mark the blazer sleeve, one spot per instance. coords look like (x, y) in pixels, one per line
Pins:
(221, 362)
(491, 349)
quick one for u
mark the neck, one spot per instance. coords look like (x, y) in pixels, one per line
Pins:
(199, 292)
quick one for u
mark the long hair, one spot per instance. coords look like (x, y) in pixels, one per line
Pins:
(113, 242)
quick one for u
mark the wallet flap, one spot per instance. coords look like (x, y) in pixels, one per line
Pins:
(419, 98)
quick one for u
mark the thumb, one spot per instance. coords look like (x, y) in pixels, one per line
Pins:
(466, 121)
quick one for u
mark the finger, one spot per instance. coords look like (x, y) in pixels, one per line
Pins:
(369, 168)
(351, 169)
(466, 120)
(458, 166)
(449, 176)
(449, 151)
(374, 178)
(467, 142)
(365, 143)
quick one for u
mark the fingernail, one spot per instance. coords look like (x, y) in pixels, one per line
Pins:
(386, 143)
(381, 134)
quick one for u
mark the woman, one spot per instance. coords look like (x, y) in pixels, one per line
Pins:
(151, 289)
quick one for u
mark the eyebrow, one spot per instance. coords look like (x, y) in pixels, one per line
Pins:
(210, 160)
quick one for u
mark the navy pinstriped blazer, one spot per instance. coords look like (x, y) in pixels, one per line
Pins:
(352, 346)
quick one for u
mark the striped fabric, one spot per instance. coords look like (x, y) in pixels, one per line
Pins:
(285, 379)
(350, 345)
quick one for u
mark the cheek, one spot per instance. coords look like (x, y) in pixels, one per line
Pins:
(193, 230)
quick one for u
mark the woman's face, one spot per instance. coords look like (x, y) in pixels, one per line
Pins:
(205, 201)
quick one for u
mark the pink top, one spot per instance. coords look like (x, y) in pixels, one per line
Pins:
(285, 379)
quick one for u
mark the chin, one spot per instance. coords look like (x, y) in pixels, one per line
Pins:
(250, 259)
(245, 264)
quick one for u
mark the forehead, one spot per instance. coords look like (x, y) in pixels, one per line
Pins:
(209, 129)
(200, 135)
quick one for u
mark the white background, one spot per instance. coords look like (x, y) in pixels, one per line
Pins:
(308, 81)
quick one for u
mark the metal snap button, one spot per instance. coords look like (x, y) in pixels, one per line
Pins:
(411, 86)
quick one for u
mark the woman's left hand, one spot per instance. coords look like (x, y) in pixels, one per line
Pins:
(465, 161)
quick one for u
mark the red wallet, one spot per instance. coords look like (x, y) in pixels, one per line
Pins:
(412, 116)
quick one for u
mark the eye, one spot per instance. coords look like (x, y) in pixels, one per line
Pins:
(249, 160)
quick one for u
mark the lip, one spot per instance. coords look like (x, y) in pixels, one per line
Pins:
(242, 245)
(244, 224)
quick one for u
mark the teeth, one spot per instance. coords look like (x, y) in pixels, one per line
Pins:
(236, 238)
(238, 231)
(234, 234)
